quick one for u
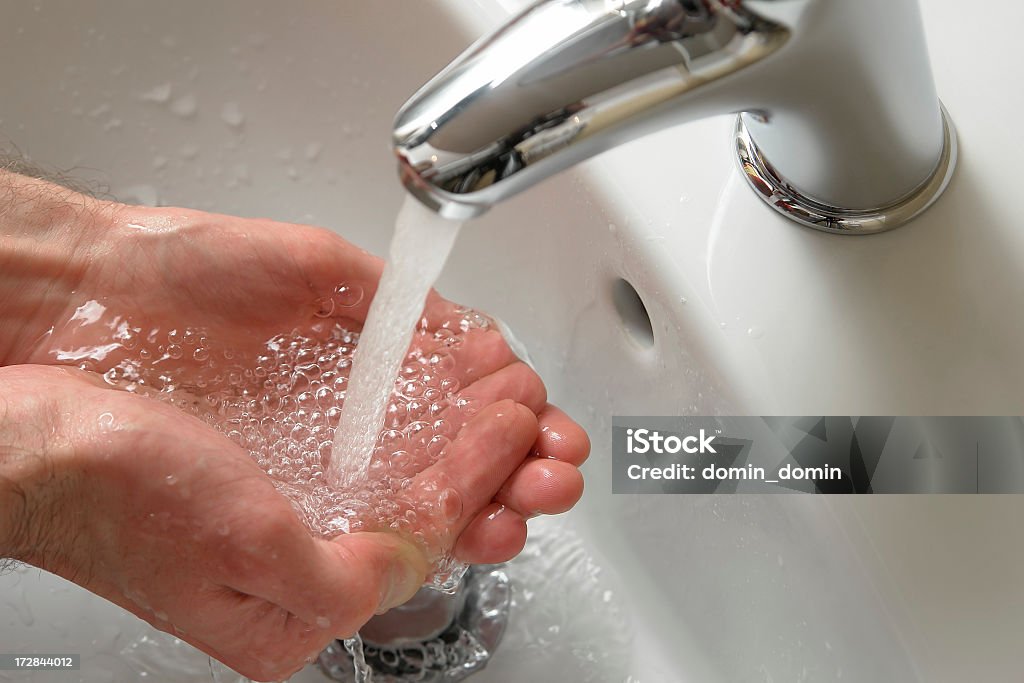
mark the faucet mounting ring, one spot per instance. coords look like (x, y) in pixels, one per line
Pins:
(779, 194)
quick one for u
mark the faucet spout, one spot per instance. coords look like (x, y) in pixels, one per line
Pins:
(568, 79)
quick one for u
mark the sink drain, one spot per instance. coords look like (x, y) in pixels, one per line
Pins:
(451, 653)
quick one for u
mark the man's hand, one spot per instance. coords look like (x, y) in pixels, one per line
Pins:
(163, 515)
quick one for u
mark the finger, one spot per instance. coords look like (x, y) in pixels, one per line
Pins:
(495, 535)
(561, 438)
(325, 260)
(485, 453)
(439, 310)
(385, 569)
(517, 382)
(477, 354)
(336, 585)
(542, 487)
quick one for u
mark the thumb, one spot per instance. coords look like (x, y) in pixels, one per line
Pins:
(376, 571)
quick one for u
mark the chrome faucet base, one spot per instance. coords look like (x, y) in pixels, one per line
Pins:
(778, 193)
(838, 96)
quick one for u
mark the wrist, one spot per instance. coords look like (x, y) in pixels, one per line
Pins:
(33, 455)
(48, 237)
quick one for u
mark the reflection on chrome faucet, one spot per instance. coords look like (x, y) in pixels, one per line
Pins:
(840, 125)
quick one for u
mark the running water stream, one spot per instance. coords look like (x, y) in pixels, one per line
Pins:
(418, 251)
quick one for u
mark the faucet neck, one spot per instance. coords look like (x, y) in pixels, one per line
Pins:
(837, 98)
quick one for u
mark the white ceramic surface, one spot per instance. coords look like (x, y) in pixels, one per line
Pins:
(750, 315)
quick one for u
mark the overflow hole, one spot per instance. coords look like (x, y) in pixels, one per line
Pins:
(635, 317)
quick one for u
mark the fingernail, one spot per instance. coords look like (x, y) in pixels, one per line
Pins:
(404, 579)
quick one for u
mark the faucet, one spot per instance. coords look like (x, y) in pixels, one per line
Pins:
(839, 125)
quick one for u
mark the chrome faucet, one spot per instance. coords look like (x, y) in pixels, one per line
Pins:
(839, 124)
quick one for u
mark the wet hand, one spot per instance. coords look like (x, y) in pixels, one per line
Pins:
(243, 280)
(153, 510)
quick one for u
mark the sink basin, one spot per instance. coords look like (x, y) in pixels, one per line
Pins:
(641, 283)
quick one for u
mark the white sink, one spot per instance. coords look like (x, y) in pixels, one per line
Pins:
(264, 108)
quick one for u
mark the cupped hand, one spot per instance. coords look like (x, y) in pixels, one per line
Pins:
(172, 520)
(245, 280)
(153, 510)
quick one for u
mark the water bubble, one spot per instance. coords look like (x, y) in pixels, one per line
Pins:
(396, 415)
(348, 295)
(392, 440)
(324, 307)
(281, 401)
(419, 434)
(442, 361)
(416, 409)
(436, 446)
(468, 406)
(412, 389)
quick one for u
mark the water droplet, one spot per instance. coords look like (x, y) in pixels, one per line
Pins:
(161, 94)
(450, 505)
(231, 114)
(313, 151)
(185, 106)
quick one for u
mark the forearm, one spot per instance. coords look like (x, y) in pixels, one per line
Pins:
(47, 235)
